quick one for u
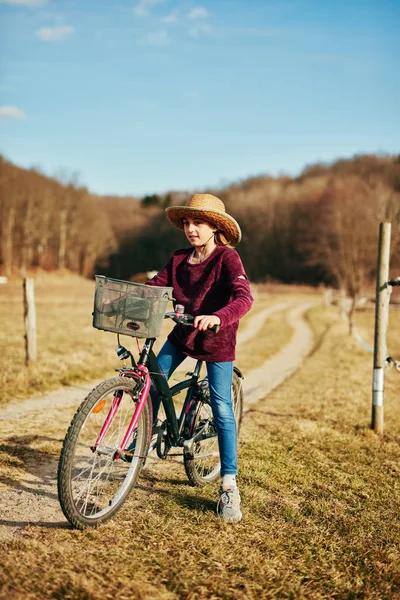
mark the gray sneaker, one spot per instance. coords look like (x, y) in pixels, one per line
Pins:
(228, 507)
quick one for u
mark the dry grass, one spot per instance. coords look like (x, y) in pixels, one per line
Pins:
(70, 350)
(321, 501)
(365, 321)
(274, 335)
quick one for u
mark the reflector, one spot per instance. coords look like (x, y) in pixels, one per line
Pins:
(99, 407)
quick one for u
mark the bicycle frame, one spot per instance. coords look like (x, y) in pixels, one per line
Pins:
(174, 425)
(115, 405)
(148, 370)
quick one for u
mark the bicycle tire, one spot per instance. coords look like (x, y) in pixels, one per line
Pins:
(93, 485)
(204, 467)
(238, 398)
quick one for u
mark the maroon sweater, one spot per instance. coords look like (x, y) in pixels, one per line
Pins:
(212, 287)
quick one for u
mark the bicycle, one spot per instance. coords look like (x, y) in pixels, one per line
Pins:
(110, 436)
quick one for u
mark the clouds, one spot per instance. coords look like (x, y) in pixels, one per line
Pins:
(47, 34)
(143, 7)
(200, 30)
(171, 18)
(181, 14)
(29, 3)
(198, 12)
(191, 22)
(154, 38)
(11, 112)
(55, 34)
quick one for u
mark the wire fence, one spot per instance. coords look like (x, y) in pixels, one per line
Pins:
(338, 298)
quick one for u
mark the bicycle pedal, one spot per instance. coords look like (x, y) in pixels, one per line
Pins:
(126, 456)
(188, 449)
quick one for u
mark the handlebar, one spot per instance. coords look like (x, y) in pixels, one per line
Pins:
(185, 319)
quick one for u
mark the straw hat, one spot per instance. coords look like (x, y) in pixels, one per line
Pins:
(210, 208)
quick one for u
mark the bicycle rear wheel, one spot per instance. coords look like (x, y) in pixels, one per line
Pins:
(93, 484)
(237, 397)
(205, 465)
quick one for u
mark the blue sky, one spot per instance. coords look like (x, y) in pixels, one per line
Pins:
(143, 96)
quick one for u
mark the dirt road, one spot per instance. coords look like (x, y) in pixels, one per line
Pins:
(33, 429)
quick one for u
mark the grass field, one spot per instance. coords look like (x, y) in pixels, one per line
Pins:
(320, 491)
(320, 494)
(70, 350)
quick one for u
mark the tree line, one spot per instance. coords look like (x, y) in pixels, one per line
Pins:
(320, 227)
(49, 224)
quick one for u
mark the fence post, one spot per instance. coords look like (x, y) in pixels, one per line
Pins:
(381, 322)
(30, 320)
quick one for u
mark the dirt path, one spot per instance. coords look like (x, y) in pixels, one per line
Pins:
(44, 420)
(260, 382)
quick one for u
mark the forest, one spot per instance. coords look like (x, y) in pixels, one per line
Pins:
(318, 228)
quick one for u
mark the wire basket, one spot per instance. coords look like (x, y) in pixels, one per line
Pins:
(129, 308)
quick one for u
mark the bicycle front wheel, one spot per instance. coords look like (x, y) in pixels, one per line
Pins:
(205, 466)
(93, 483)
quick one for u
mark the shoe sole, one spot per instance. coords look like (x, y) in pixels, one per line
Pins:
(231, 519)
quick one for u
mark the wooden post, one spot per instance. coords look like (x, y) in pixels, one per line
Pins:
(381, 322)
(30, 320)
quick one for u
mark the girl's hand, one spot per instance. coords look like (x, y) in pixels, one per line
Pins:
(203, 322)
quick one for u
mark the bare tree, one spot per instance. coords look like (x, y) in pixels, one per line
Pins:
(320, 226)
(8, 213)
(347, 242)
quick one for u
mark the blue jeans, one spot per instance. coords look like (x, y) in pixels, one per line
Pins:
(220, 383)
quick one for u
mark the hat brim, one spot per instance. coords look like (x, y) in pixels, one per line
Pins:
(229, 227)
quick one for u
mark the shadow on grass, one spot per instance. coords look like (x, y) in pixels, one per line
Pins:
(38, 463)
(181, 497)
(300, 416)
(198, 503)
(188, 497)
(47, 525)
(38, 472)
(320, 338)
(362, 428)
(272, 414)
(152, 479)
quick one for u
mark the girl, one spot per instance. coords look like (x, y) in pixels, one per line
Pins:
(209, 280)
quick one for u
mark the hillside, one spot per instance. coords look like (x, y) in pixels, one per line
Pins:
(320, 227)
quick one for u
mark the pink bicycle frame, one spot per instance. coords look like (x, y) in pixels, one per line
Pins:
(136, 415)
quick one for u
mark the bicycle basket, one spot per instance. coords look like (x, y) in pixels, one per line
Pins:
(129, 308)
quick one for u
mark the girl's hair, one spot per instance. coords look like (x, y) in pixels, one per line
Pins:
(221, 240)
(219, 237)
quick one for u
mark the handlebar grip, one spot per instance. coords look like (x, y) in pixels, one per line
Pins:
(185, 319)
(214, 328)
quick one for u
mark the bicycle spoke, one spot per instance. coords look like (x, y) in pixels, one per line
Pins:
(95, 483)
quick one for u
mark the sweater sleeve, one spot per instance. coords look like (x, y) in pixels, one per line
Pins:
(241, 298)
(163, 277)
